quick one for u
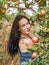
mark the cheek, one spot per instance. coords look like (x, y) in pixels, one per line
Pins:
(23, 30)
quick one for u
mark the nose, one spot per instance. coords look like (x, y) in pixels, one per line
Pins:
(27, 26)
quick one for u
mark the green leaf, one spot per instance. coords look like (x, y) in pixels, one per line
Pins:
(30, 50)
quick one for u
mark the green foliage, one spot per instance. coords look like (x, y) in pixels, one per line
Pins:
(42, 33)
(41, 3)
(1, 25)
(16, 5)
(42, 51)
(42, 47)
(2, 3)
(41, 59)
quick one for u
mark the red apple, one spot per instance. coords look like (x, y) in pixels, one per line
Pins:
(43, 12)
(34, 54)
(35, 39)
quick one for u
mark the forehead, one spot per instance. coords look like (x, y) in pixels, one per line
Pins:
(23, 21)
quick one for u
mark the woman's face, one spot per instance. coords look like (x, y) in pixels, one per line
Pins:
(24, 26)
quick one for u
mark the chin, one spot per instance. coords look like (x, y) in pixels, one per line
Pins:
(27, 33)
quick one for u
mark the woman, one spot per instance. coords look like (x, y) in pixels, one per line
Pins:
(20, 39)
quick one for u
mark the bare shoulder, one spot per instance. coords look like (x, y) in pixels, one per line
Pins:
(21, 41)
(25, 41)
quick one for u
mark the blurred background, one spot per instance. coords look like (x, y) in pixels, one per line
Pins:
(36, 10)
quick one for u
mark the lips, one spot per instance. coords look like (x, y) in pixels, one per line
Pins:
(28, 30)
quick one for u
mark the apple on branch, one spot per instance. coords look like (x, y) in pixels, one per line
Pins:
(34, 54)
(35, 39)
(43, 12)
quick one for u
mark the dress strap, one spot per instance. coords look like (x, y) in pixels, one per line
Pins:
(25, 37)
(22, 37)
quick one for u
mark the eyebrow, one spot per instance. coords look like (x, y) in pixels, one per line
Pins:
(24, 24)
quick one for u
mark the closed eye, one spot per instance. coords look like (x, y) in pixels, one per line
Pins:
(23, 25)
(27, 23)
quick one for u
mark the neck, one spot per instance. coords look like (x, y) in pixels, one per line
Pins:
(24, 35)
